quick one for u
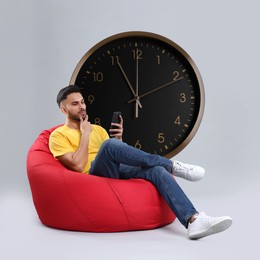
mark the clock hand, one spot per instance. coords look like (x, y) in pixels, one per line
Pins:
(136, 89)
(129, 84)
(156, 89)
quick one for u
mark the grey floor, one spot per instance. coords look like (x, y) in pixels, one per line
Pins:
(24, 237)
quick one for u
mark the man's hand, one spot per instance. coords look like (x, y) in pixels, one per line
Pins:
(85, 126)
(118, 131)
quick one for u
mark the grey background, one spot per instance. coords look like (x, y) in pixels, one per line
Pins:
(41, 43)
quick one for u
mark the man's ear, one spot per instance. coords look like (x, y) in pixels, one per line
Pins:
(63, 109)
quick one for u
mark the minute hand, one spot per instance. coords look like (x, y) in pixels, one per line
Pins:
(156, 89)
(129, 84)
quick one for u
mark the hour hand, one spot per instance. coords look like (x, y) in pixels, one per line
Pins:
(156, 89)
(129, 84)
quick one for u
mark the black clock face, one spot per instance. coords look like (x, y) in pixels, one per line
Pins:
(152, 81)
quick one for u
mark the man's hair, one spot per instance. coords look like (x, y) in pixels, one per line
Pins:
(64, 92)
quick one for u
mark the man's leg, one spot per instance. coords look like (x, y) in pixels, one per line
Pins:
(114, 152)
(167, 187)
(108, 164)
(202, 225)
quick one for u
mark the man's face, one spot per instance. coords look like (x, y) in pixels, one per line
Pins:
(74, 106)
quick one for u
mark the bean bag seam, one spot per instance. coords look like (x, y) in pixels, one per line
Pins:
(114, 190)
(65, 171)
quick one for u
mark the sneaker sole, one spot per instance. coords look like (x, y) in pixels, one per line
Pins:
(216, 228)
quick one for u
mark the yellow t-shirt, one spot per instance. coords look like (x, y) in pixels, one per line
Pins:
(65, 140)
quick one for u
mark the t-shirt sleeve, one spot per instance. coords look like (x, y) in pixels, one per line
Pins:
(104, 134)
(59, 145)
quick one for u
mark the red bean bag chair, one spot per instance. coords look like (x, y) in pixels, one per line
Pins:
(71, 200)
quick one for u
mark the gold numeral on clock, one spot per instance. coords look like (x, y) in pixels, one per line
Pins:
(176, 75)
(158, 59)
(97, 121)
(115, 60)
(137, 54)
(91, 99)
(183, 98)
(177, 121)
(161, 138)
(138, 145)
(98, 76)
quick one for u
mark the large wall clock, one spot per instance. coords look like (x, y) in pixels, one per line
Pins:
(152, 81)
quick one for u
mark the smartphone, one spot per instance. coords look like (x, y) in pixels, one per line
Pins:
(115, 119)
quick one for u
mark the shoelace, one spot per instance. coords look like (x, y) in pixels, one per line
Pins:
(205, 217)
(184, 169)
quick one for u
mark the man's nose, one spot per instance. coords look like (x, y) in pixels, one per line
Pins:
(82, 106)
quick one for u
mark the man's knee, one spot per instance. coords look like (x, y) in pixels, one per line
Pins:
(109, 145)
(110, 142)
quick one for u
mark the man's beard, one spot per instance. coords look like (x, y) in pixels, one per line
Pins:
(76, 117)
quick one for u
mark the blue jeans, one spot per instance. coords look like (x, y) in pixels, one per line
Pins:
(116, 159)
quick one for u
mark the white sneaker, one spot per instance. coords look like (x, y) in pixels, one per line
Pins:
(204, 225)
(187, 171)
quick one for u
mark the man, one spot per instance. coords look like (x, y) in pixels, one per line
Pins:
(87, 148)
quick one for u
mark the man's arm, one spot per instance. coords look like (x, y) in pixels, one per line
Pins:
(77, 160)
